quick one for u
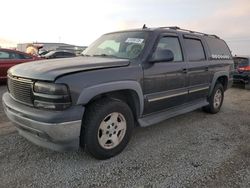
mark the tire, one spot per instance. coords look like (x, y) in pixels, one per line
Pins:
(247, 85)
(107, 128)
(215, 100)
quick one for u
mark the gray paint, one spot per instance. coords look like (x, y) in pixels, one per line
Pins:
(87, 77)
(88, 93)
(71, 114)
(215, 78)
(43, 128)
(80, 81)
(49, 70)
(159, 117)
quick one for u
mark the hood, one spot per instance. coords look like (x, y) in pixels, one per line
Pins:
(51, 69)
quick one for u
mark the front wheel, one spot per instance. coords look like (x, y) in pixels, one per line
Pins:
(107, 128)
(215, 100)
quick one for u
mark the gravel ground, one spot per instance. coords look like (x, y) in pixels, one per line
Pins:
(191, 150)
(3, 118)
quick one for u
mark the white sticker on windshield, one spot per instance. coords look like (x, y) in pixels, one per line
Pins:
(134, 40)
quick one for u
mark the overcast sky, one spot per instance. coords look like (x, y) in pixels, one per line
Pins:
(80, 22)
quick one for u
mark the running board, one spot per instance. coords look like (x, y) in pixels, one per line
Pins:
(159, 117)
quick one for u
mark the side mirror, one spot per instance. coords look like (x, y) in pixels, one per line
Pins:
(162, 55)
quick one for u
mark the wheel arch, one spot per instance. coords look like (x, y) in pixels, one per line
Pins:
(128, 91)
(221, 77)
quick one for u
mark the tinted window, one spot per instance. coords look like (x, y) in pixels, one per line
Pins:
(63, 54)
(13, 55)
(4, 55)
(194, 49)
(173, 44)
(23, 56)
(58, 54)
(16, 56)
(68, 54)
(241, 62)
(218, 48)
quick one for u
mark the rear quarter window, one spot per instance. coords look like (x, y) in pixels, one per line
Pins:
(218, 48)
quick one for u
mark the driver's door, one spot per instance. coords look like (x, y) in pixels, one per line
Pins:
(164, 84)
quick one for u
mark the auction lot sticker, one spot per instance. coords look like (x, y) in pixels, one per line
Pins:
(134, 40)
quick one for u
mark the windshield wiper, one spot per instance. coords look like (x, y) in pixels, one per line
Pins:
(103, 55)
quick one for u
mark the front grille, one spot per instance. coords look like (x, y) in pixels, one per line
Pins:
(21, 89)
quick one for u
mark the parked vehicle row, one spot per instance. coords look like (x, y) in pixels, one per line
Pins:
(58, 54)
(128, 78)
(242, 71)
(9, 58)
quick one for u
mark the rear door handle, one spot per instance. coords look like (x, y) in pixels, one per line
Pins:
(185, 70)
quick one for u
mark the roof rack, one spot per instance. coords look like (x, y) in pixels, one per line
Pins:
(186, 30)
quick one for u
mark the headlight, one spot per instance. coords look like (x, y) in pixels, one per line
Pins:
(50, 88)
(51, 96)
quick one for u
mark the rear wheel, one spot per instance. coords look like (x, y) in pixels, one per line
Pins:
(107, 128)
(215, 100)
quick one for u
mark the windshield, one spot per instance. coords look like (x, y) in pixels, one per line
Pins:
(125, 45)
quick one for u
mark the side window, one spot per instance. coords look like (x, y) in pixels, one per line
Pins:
(67, 54)
(57, 55)
(62, 54)
(218, 48)
(15, 56)
(4, 55)
(194, 49)
(173, 44)
(23, 56)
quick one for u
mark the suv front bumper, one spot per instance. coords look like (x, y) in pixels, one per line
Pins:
(56, 130)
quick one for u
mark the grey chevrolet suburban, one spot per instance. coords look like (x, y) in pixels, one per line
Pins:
(124, 79)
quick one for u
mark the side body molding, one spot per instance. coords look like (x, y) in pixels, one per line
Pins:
(88, 93)
(215, 77)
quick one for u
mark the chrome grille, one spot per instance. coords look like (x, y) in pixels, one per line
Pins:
(21, 89)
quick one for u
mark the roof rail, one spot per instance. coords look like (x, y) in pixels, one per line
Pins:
(186, 30)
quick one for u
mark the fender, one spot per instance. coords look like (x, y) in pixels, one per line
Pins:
(215, 78)
(88, 93)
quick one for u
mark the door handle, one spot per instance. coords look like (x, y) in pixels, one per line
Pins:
(206, 68)
(185, 70)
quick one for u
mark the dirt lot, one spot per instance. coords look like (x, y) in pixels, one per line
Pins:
(192, 150)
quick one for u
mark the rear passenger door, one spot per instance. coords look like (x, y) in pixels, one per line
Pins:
(198, 73)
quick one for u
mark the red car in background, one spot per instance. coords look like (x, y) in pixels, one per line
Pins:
(9, 58)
